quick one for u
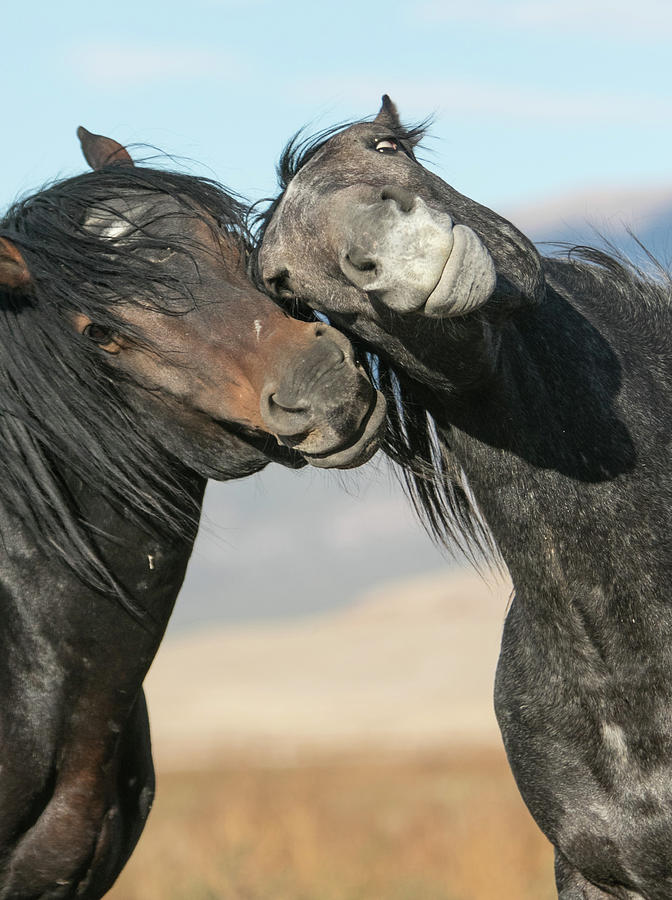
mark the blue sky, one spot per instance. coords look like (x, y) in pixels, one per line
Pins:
(530, 98)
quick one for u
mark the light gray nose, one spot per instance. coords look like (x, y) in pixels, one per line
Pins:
(395, 247)
(364, 255)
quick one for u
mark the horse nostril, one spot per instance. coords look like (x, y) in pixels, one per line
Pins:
(335, 347)
(278, 283)
(403, 198)
(298, 409)
(360, 260)
(289, 420)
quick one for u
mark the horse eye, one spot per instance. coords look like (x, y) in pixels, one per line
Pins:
(387, 145)
(98, 333)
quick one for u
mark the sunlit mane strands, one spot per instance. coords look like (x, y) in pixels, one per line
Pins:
(430, 474)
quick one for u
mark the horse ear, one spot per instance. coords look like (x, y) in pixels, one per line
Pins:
(13, 269)
(388, 115)
(102, 151)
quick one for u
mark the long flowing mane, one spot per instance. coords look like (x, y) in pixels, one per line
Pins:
(62, 407)
(429, 473)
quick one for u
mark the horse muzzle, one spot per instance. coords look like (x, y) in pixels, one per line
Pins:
(414, 259)
(325, 407)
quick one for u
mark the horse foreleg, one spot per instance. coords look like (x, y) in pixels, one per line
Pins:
(134, 793)
(90, 817)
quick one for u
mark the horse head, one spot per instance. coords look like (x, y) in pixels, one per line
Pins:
(363, 229)
(133, 341)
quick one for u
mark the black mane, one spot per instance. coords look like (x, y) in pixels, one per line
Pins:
(61, 406)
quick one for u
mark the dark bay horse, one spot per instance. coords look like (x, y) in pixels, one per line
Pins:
(530, 400)
(136, 361)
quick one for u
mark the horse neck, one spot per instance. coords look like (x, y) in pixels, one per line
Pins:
(72, 662)
(550, 440)
(77, 635)
(550, 393)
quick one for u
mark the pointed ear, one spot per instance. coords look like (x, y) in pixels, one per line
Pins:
(102, 151)
(13, 269)
(388, 115)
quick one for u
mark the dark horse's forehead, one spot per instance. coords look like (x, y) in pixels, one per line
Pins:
(173, 241)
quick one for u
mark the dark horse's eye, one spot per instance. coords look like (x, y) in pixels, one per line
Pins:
(98, 333)
(387, 145)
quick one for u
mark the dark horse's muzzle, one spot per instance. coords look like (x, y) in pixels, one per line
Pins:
(324, 405)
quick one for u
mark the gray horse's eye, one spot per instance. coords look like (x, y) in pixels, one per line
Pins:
(387, 145)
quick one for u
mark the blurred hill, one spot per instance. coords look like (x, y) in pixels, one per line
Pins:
(586, 216)
(408, 667)
(285, 543)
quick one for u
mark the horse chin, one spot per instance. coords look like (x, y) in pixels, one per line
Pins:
(255, 452)
(359, 450)
(275, 452)
(288, 458)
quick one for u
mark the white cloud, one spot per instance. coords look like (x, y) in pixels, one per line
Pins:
(646, 19)
(112, 66)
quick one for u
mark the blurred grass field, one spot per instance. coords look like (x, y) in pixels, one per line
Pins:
(348, 828)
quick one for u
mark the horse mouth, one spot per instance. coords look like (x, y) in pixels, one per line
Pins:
(360, 447)
(467, 279)
(451, 277)
(269, 445)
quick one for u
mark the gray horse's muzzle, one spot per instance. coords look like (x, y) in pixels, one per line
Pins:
(413, 258)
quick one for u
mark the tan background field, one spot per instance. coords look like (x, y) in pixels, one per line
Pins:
(348, 756)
